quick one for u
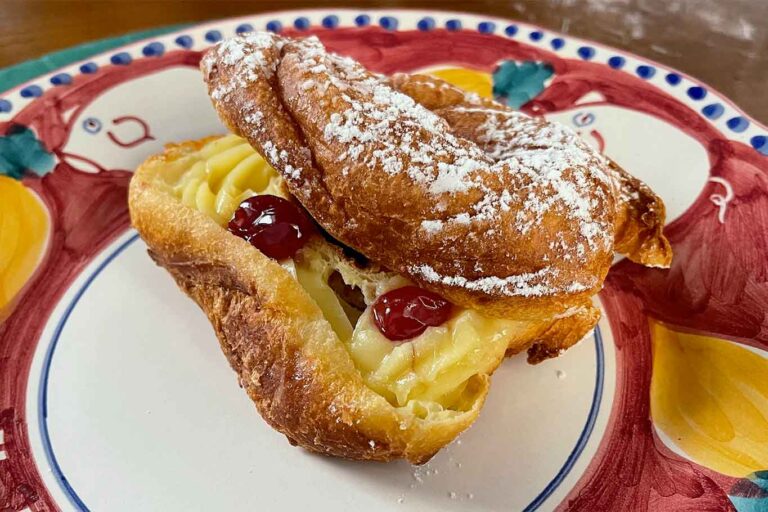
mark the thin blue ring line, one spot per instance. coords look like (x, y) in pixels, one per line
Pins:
(76, 501)
(597, 396)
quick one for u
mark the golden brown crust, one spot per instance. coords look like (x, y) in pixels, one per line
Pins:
(639, 215)
(435, 94)
(529, 258)
(286, 356)
(639, 220)
(563, 333)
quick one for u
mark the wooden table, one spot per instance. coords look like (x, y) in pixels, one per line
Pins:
(723, 43)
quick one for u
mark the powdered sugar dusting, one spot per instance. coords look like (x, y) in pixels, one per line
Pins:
(387, 130)
(519, 171)
(255, 117)
(246, 55)
(432, 226)
(533, 284)
(558, 162)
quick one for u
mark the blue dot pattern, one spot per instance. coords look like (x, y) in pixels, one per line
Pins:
(453, 25)
(759, 142)
(155, 49)
(697, 93)
(213, 36)
(61, 79)
(243, 28)
(388, 22)
(184, 42)
(617, 62)
(713, 111)
(738, 124)
(121, 59)
(645, 72)
(89, 67)
(486, 27)
(427, 23)
(586, 52)
(331, 21)
(31, 91)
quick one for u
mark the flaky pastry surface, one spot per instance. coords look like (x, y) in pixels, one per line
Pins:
(486, 206)
(639, 213)
(286, 355)
(504, 214)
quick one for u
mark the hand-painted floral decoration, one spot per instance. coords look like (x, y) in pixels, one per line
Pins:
(21, 151)
(516, 83)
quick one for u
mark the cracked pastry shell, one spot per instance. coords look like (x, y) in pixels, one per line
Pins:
(286, 355)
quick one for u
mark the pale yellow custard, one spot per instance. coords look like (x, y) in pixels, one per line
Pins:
(225, 173)
(426, 374)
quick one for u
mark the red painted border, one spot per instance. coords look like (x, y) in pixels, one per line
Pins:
(631, 470)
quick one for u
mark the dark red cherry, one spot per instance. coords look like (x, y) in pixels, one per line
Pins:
(273, 225)
(406, 312)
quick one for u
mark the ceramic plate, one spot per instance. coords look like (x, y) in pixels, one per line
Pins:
(114, 394)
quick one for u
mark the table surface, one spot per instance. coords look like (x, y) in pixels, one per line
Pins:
(722, 43)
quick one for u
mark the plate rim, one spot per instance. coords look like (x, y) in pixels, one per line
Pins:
(383, 11)
(47, 343)
(135, 49)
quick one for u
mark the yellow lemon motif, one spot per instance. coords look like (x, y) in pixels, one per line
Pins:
(23, 233)
(467, 79)
(710, 397)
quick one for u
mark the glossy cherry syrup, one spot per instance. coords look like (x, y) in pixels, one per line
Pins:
(406, 312)
(273, 225)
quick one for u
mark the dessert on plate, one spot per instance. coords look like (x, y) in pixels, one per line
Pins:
(368, 248)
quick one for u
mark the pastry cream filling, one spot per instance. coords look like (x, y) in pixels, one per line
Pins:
(428, 374)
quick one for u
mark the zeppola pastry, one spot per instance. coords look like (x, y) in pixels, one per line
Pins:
(369, 248)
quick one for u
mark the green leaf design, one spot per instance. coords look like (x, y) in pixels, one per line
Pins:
(21, 151)
(751, 494)
(518, 83)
